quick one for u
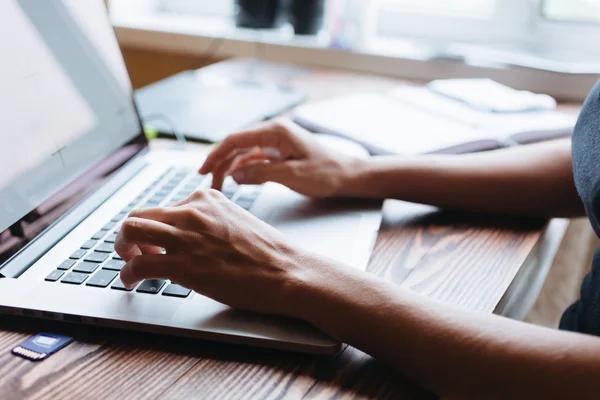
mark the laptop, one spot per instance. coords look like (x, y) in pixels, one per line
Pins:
(75, 162)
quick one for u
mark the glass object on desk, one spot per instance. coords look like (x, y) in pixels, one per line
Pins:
(307, 16)
(259, 14)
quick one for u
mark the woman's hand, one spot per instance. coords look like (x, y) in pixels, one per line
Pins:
(215, 248)
(280, 151)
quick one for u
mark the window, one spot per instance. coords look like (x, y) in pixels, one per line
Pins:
(543, 26)
(558, 31)
(572, 10)
(468, 20)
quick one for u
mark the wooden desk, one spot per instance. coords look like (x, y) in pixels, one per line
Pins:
(469, 260)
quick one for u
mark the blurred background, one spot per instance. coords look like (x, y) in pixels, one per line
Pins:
(416, 39)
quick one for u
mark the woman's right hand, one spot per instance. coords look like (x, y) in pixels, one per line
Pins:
(283, 152)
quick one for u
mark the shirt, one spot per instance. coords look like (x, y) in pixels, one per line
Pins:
(584, 315)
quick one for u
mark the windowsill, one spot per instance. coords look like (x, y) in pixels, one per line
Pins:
(400, 58)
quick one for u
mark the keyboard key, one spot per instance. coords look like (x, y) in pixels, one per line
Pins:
(196, 181)
(114, 265)
(96, 257)
(174, 290)
(109, 226)
(105, 248)
(207, 182)
(244, 203)
(75, 278)
(249, 191)
(183, 195)
(118, 285)
(116, 257)
(86, 267)
(111, 238)
(150, 204)
(102, 279)
(78, 254)
(66, 265)
(98, 235)
(119, 217)
(89, 244)
(151, 286)
(245, 198)
(54, 276)
(157, 199)
(127, 209)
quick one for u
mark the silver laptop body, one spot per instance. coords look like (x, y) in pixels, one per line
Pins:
(75, 161)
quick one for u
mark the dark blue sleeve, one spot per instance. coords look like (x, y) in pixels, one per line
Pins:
(584, 315)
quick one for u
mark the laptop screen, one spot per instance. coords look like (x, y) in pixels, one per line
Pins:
(67, 117)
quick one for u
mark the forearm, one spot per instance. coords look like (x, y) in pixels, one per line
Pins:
(452, 352)
(534, 180)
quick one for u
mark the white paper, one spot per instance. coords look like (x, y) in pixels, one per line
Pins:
(386, 123)
(501, 125)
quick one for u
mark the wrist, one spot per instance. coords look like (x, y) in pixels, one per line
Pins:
(355, 175)
(305, 283)
(319, 290)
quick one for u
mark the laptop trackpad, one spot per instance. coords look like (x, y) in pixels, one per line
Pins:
(338, 229)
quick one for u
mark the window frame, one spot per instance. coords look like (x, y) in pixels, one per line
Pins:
(203, 8)
(392, 22)
(520, 22)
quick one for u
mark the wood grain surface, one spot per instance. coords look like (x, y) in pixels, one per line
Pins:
(464, 259)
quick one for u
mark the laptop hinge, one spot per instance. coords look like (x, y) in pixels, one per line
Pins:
(26, 257)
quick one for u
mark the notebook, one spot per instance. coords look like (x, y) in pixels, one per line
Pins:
(416, 120)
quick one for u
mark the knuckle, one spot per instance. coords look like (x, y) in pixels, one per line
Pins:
(214, 194)
(128, 227)
(134, 213)
(189, 213)
(280, 124)
(199, 194)
(192, 218)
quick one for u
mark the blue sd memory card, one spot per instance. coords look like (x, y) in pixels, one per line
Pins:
(41, 346)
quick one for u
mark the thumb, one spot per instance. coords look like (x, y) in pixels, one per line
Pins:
(258, 173)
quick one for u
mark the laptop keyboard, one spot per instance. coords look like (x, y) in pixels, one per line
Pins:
(96, 264)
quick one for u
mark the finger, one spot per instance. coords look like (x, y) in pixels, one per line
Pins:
(152, 267)
(179, 220)
(263, 135)
(137, 234)
(259, 173)
(247, 158)
(158, 214)
(225, 168)
(151, 249)
(220, 169)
